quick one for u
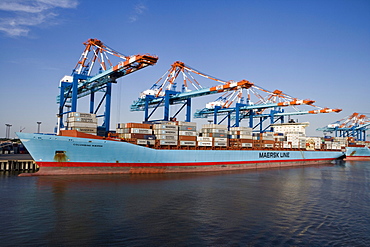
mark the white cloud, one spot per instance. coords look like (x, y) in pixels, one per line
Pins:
(24, 14)
(139, 9)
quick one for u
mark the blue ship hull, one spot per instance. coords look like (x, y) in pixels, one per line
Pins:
(357, 153)
(73, 155)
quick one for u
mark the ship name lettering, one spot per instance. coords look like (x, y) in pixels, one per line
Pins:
(274, 155)
(286, 154)
(269, 155)
(87, 145)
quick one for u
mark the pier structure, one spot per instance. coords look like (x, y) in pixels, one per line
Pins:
(18, 165)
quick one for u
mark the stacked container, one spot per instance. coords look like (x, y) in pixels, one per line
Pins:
(166, 133)
(240, 137)
(83, 122)
(279, 139)
(295, 140)
(187, 133)
(217, 132)
(313, 143)
(264, 140)
(137, 133)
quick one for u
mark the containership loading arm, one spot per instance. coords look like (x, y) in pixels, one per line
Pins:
(81, 83)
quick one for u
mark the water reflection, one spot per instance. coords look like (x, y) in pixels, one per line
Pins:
(308, 206)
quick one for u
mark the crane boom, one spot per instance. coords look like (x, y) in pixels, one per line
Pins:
(180, 96)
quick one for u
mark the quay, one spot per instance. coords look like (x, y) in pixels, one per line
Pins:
(17, 162)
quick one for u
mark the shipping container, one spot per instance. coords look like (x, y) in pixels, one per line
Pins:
(182, 123)
(82, 119)
(81, 114)
(220, 144)
(167, 137)
(165, 126)
(205, 144)
(167, 142)
(187, 133)
(217, 139)
(187, 128)
(82, 125)
(165, 132)
(188, 143)
(204, 139)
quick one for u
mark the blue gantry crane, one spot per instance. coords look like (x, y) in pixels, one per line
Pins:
(82, 83)
(163, 93)
(231, 104)
(354, 125)
(270, 107)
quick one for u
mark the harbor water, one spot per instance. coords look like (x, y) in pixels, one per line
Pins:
(326, 205)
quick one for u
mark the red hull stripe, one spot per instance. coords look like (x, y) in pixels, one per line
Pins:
(100, 164)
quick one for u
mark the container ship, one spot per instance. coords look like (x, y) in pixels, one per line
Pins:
(174, 146)
(167, 145)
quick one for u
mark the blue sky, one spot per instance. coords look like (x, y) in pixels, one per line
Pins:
(317, 50)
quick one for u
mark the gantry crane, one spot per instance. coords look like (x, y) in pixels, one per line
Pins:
(233, 107)
(163, 92)
(82, 83)
(354, 125)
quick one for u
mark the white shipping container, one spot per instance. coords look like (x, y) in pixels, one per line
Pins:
(269, 145)
(167, 137)
(187, 133)
(167, 142)
(188, 143)
(165, 132)
(82, 119)
(204, 139)
(165, 126)
(82, 125)
(247, 145)
(186, 123)
(140, 131)
(81, 114)
(205, 144)
(220, 144)
(119, 131)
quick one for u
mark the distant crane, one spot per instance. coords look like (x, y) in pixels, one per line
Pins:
(232, 106)
(82, 83)
(354, 125)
